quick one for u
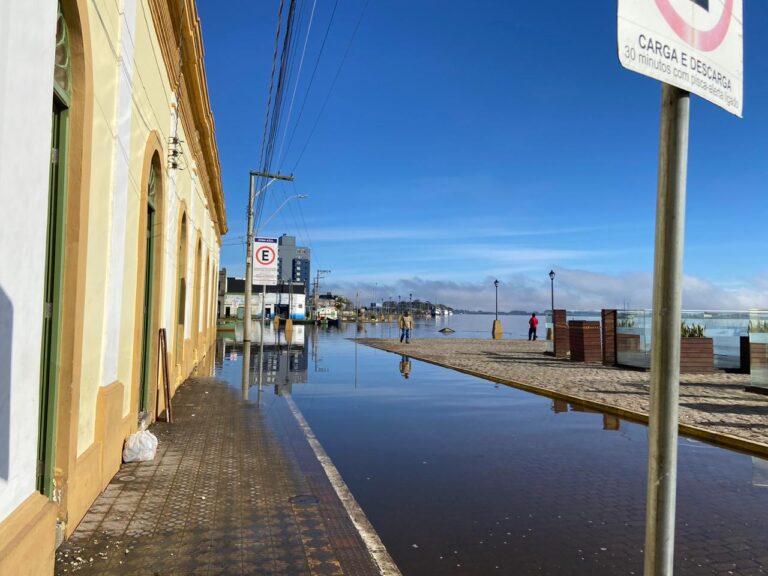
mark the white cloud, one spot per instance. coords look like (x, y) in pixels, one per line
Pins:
(574, 290)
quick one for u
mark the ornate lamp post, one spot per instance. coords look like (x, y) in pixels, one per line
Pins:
(496, 330)
(552, 299)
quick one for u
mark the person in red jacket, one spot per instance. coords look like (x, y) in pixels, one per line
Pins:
(533, 324)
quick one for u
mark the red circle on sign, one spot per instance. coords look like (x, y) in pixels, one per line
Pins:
(706, 40)
(271, 255)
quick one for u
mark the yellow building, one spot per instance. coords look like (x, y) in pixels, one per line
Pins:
(112, 219)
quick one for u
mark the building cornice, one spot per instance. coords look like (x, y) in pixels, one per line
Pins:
(186, 71)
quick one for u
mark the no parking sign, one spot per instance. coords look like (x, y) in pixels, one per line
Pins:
(265, 261)
(696, 45)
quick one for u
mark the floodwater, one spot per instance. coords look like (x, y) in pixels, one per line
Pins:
(459, 475)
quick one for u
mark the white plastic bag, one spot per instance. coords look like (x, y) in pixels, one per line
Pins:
(140, 446)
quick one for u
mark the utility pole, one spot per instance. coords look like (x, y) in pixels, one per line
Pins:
(316, 294)
(249, 267)
(249, 252)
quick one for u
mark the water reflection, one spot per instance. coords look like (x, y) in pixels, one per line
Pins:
(610, 422)
(500, 481)
(405, 367)
(279, 359)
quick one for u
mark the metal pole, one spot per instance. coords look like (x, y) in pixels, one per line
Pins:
(665, 355)
(261, 339)
(249, 252)
(497, 301)
(552, 297)
(552, 304)
(249, 263)
(248, 282)
(246, 386)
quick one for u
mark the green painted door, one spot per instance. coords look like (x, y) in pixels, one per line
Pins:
(54, 259)
(147, 336)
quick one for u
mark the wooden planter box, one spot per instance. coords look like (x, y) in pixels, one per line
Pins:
(608, 324)
(627, 342)
(758, 366)
(696, 355)
(562, 346)
(584, 340)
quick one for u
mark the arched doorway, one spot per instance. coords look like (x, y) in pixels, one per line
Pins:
(206, 306)
(196, 298)
(54, 258)
(181, 260)
(149, 273)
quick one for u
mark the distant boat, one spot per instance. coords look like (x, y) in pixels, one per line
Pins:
(328, 315)
(447, 330)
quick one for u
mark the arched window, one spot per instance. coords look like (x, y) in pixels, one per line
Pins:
(62, 69)
(152, 183)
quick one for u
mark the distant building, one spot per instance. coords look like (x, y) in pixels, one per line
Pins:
(284, 299)
(292, 261)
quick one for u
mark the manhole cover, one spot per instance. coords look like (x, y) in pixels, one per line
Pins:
(126, 478)
(303, 500)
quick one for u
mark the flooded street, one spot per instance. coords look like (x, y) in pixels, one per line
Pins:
(459, 475)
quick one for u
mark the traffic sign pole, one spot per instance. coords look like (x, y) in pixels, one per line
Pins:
(249, 268)
(665, 355)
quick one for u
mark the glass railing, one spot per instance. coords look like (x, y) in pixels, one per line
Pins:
(633, 338)
(725, 327)
(548, 327)
(758, 348)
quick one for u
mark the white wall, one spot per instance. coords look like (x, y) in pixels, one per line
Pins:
(27, 43)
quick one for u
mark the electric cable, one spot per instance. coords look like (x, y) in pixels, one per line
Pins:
(296, 84)
(311, 81)
(333, 84)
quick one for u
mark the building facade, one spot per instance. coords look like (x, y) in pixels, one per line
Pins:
(285, 299)
(113, 213)
(292, 261)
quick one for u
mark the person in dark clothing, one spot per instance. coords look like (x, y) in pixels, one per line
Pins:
(533, 324)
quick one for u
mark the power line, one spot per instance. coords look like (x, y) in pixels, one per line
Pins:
(335, 78)
(272, 122)
(296, 84)
(311, 80)
(269, 105)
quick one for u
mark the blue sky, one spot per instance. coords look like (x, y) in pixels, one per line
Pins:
(468, 141)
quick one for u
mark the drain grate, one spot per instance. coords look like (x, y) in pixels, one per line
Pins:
(303, 500)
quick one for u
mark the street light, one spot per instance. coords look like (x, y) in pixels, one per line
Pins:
(552, 299)
(496, 330)
(268, 220)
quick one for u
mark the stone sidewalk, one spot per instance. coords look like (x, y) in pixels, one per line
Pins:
(713, 407)
(233, 489)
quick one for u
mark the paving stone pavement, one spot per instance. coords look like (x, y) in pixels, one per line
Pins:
(713, 407)
(232, 490)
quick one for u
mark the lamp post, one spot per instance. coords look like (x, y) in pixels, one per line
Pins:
(496, 330)
(552, 299)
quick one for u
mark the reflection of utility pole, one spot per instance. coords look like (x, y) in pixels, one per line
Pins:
(317, 293)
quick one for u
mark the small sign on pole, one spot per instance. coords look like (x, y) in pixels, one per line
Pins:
(265, 261)
(696, 45)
